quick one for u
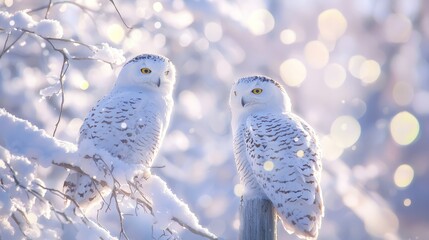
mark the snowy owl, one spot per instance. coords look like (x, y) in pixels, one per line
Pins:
(130, 122)
(277, 154)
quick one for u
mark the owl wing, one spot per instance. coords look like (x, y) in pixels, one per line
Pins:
(127, 127)
(286, 160)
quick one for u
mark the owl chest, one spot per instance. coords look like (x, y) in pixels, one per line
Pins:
(244, 163)
(120, 126)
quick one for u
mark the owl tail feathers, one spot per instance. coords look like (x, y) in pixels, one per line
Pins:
(83, 190)
(306, 227)
(69, 186)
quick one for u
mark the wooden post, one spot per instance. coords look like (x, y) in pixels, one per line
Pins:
(257, 220)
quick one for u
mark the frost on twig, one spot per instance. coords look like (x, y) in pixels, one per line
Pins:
(51, 32)
(136, 198)
(108, 54)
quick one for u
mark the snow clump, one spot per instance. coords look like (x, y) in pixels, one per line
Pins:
(5, 19)
(49, 28)
(22, 20)
(109, 54)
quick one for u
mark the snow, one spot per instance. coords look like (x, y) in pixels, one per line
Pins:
(108, 54)
(22, 20)
(49, 28)
(120, 171)
(51, 90)
(201, 171)
(5, 203)
(23, 138)
(165, 205)
(5, 19)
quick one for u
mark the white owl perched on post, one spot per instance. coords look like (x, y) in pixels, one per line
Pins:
(277, 154)
(130, 122)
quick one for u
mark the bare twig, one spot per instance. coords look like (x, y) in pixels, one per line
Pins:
(121, 218)
(120, 15)
(15, 219)
(64, 69)
(65, 64)
(5, 43)
(48, 8)
(83, 8)
(141, 200)
(36, 194)
(5, 47)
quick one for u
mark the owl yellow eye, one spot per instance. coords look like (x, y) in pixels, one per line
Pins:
(257, 91)
(145, 70)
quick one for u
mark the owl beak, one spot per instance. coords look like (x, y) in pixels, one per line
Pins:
(243, 103)
(159, 82)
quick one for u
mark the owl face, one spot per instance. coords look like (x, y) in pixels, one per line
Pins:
(148, 71)
(258, 93)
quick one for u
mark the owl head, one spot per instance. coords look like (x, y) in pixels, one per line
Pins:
(148, 71)
(258, 94)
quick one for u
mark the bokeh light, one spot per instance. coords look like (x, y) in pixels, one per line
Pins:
(403, 93)
(8, 3)
(334, 75)
(115, 33)
(293, 72)
(300, 153)
(213, 31)
(84, 85)
(239, 189)
(356, 71)
(397, 28)
(345, 131)
(332, 24)
(316, 54)
(268, 165)
(331, 150)
(260, 22)
(369, 71)
(288, 36)
(191, 104)
(407, 202)
(354, 65)
(179, 142)
(157, 25)
(157, 7)
(403, 176)
(404, 128)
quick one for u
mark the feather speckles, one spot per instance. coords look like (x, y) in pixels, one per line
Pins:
(148, 57)
(129, 123)
(277, 156)
(247, 80)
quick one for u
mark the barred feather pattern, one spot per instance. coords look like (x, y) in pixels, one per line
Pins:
(244, 168)
(127, 124)
(282, 158)
(133, 128)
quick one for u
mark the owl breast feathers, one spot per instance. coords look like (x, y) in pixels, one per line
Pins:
(130, 122)
(277, 155)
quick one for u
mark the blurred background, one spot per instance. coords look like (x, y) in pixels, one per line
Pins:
(357, 71)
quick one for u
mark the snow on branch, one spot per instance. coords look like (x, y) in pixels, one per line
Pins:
(136, 198)
(51, 32)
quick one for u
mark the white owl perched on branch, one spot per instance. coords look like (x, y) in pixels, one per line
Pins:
(130, 122)
(277, 154)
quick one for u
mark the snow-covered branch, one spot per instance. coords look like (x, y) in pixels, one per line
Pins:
(134, 196)
(51, 32)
